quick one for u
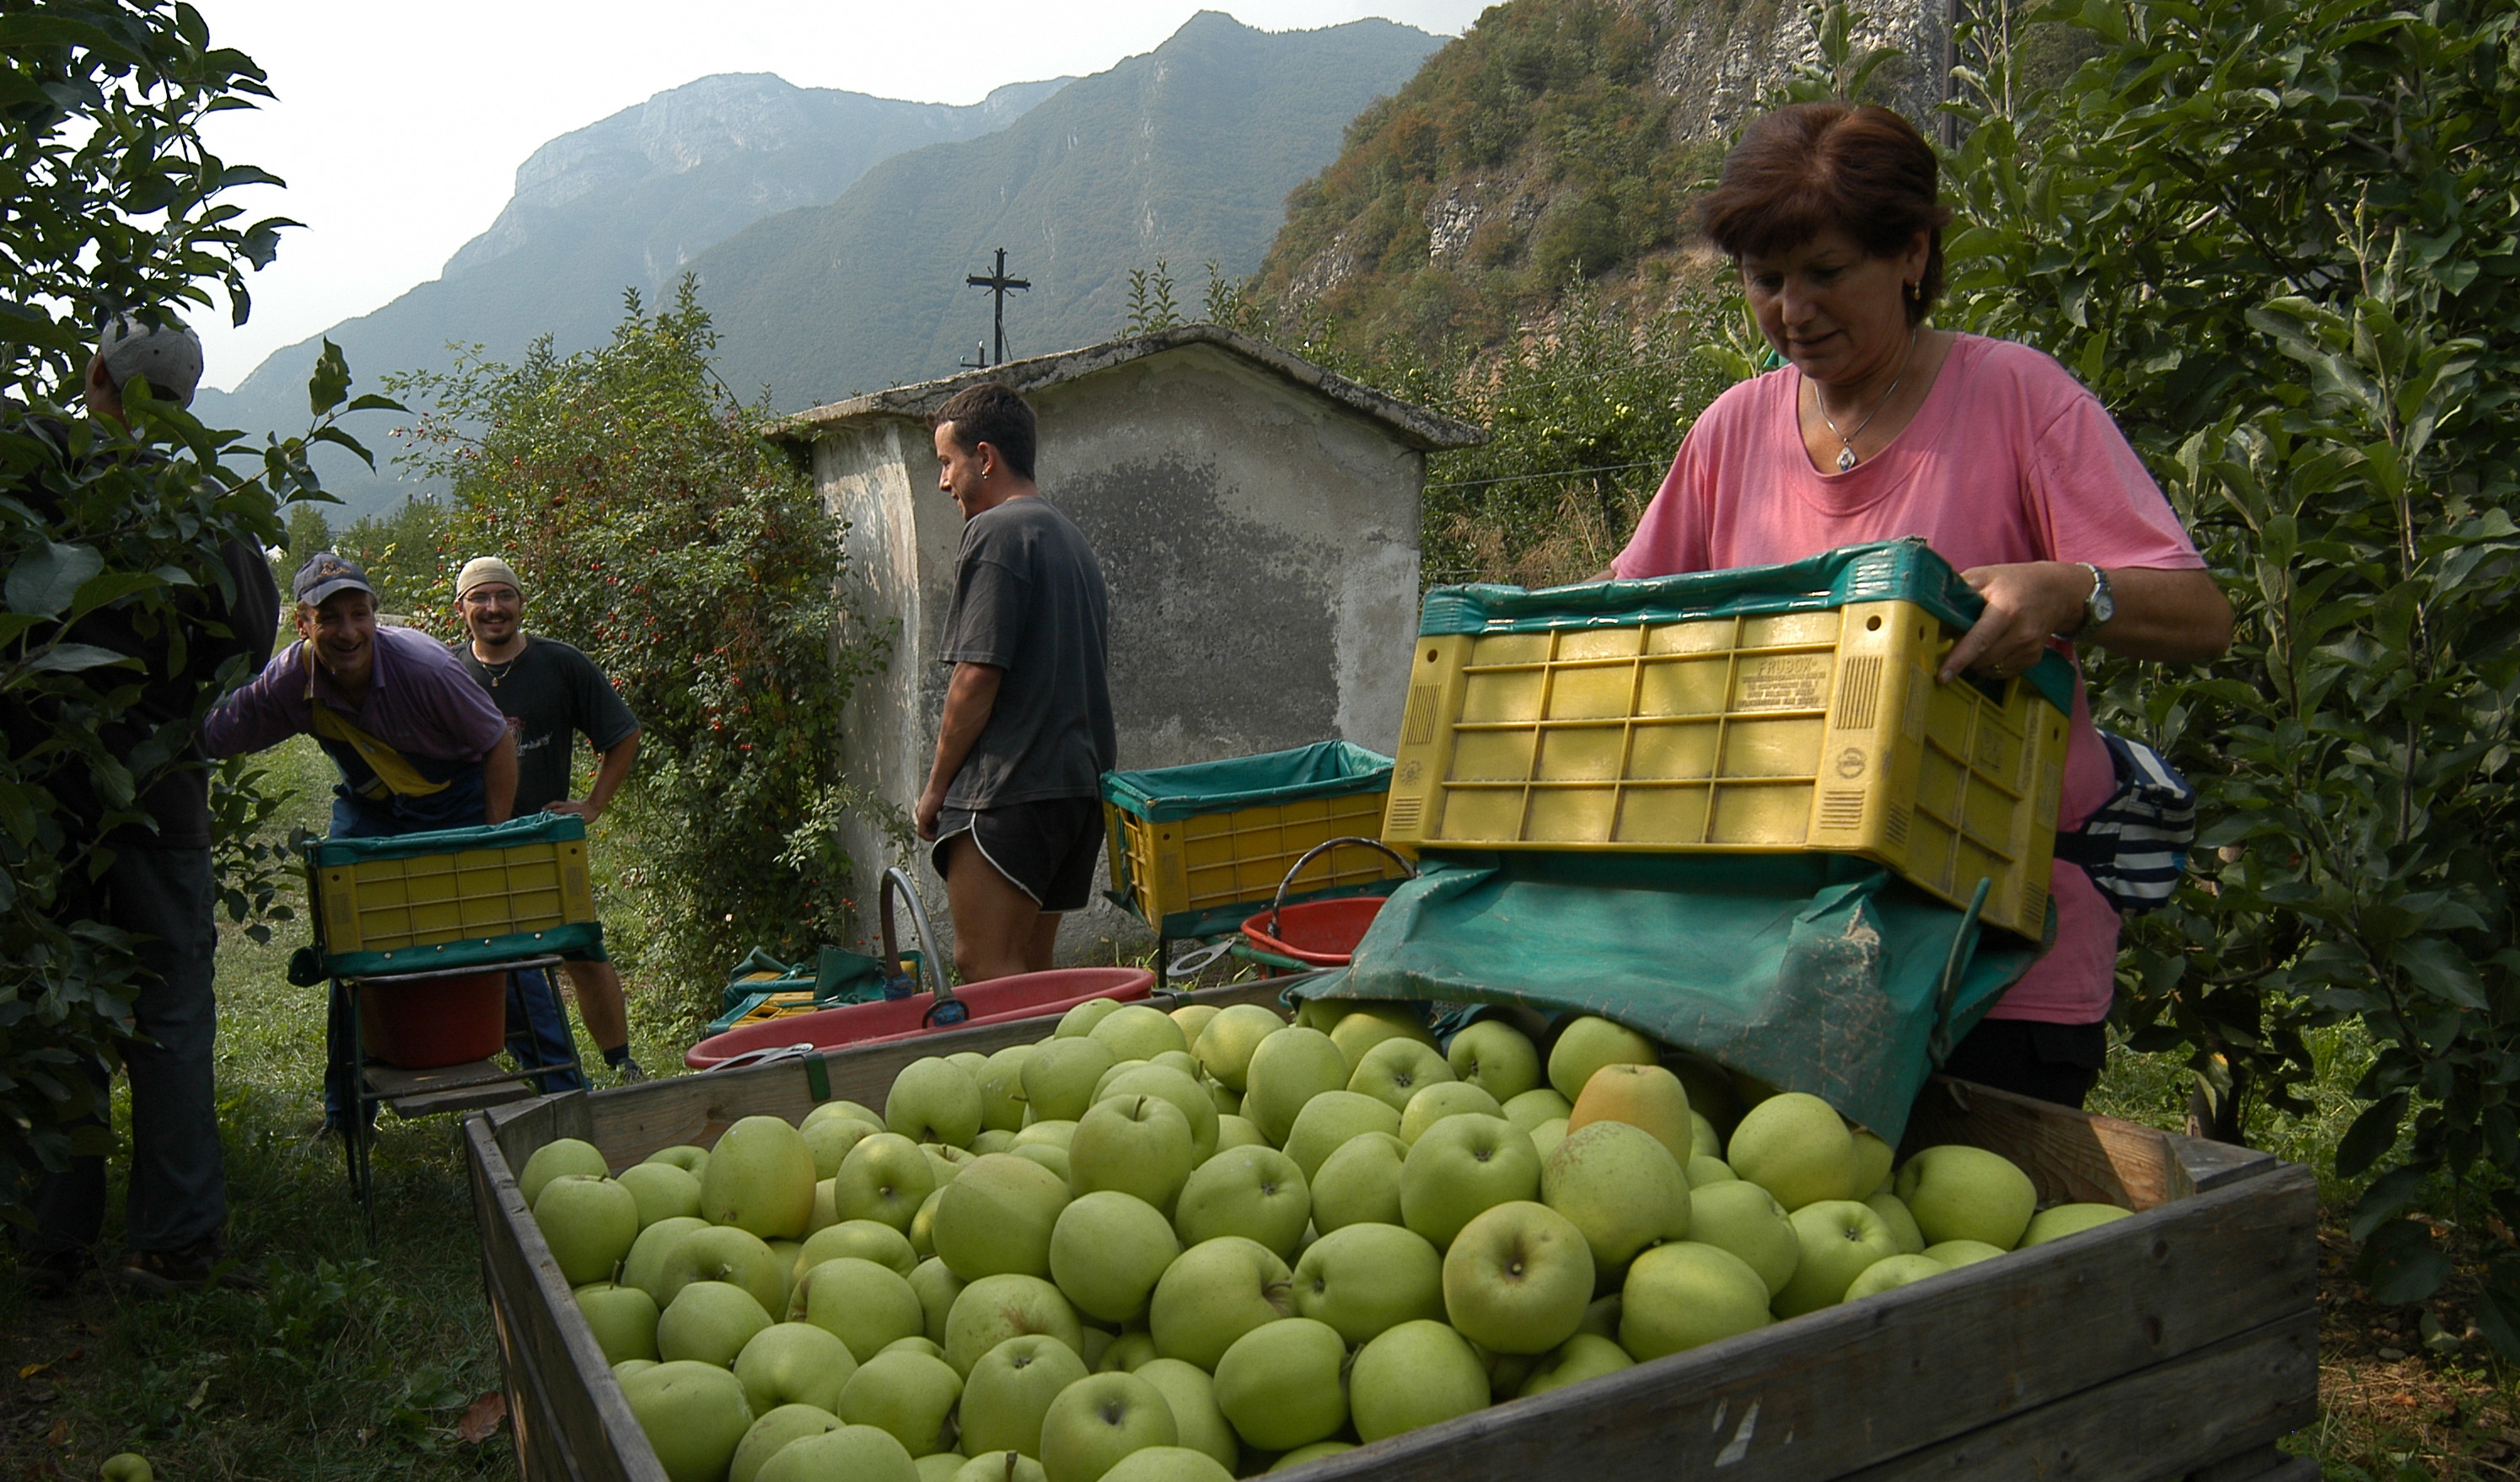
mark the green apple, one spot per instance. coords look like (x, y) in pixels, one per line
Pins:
(1704, 1170)
(998, 1466)
(1891, 1273)
(1053, 1134)
(1703, 1141)
(937, 1288)
(945, 1161)
(1178, 1086)
(1049, 1156)
(1138, 1145)
(131, 1466)
(1954, 1254)
(1235, 1129)
(1873, 1158)
(1747, 1221)
(1444, 1099)
(695, 1415)
(761, 1178)
(851, 1110)
(1687, 1293)
(1642, 1095)
(1540, 1104)
(1364, 1025)
(1496, 1057)
(1228, 1104)
(1257, 1192)
(1517, 1278)
(1010, 1389)
(1839, 1237)
(1281, 1386)
(917, 1343)
(867, 1239)
(557, 1158)
(1586, 1044)
(1190, 1395)
(1078, 1022)
(1108, 1251)
(1287, 1069)
(1330, 1119)
(1796, 1146)
(710, 1322)
(1959, 1193)
(589, 1222)
(1306, 1455)
(1464, 1165)
(997, 1217)
(794, 1363)
(863, 1305)
(970, 1062)
(1585, 1356)
(644, 1266)
(1364, 1279)
(859, 1453)
(1902, 1225)
(1360, 1183)
(1546, 1137)
(994, 1309)
(1224, 1047)
(628, 1366)
(1194, 1019)
(623, 1320)
(1000, 1082)
(1099, 1419)
(1602, 1317)
(685, 1157)
(923, 1226)
(1319, 1013)
(826, 1212)
(662, 1192)
(1138, 1032)
(778, 1426)
(990, 1140)
(1620, 1186)
(908, 1396)
(829, 1140)
(1392, 1071)
(791, 1265)
(2067, 1219)
(1061, 1074)
(1177, 1059)
(1214, 1293)
(885, 1177)
(1129, 1351)
(721, 1253)
(1169, 1463)
(1415, 1375)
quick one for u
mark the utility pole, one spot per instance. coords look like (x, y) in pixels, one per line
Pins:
(997, 283)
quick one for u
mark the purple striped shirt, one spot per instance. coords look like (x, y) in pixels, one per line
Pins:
(421, 702)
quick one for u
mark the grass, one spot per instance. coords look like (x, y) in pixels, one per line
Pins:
(360, 1362)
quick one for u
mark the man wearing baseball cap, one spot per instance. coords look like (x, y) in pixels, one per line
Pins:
(552, 694)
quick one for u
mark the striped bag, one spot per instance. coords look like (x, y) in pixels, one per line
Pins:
(2135, 846)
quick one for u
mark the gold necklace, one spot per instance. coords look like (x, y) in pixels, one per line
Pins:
(1846, 458)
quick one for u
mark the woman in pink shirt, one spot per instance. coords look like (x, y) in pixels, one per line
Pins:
(1879, 426)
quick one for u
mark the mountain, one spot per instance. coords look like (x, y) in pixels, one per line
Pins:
(1183, 156)
(626, 203)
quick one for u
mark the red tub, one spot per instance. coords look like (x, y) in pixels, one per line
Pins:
(1324, 933)
(1027, 995)
(434, 1021)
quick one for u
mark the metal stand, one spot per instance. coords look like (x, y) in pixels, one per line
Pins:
(424, 1093)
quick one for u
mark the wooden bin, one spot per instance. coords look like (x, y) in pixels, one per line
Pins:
(2179, 1343)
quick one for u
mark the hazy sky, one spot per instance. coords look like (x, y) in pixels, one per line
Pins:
(399, 127)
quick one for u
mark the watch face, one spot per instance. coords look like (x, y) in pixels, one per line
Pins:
(2104, 604)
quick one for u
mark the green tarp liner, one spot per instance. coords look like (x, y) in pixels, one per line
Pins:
(532, 828)
(835, 976)
(1323, 768)
(579, 941)
(1822, 974)
(1902, 570)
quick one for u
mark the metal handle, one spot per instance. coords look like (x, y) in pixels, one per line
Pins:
(1278, 901)
(897, 879)
(765, 1055)
(1197, 959)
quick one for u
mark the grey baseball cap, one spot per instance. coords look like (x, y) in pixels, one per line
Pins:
(168, 356)
(326, 573)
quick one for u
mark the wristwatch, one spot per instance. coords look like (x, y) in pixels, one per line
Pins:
(2098, 608)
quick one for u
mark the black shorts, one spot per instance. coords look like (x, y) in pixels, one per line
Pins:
(1047, 848)
(2051, 1062)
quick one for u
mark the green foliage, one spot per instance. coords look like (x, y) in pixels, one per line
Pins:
(1150, 300)
(2281, 243)
(112, 208)
(653, 529)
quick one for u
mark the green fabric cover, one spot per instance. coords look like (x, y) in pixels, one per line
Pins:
(1816, 972)
(532, 828)
(1323, 768)
(1902, 570)
(578, 941)
(835, 975)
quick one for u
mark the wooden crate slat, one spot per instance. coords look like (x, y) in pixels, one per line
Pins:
(2076, 1155)
(2159, 1422)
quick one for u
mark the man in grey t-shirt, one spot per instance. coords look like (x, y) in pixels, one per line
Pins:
(1014, 801)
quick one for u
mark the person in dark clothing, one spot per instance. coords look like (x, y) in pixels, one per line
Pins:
(157, 887)
(1013, 800)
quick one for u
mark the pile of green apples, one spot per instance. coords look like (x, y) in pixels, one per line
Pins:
(1187, 1247)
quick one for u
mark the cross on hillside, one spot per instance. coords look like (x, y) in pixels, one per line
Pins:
(997, 283)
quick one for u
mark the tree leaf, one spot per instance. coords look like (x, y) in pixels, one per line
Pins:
(75, 658)
(46, 580)
(2438, 965)
(2372, 1134)
(329, 384)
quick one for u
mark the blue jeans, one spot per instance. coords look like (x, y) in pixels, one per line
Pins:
(178, 1175)
(538, 1031)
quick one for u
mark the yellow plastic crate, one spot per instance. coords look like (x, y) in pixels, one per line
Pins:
(1800, 730)
(1219, 862)
(381, 905)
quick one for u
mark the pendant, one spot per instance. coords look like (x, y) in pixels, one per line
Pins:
(1845, 459)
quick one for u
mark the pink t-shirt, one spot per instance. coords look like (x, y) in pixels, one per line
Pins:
(2008, 460)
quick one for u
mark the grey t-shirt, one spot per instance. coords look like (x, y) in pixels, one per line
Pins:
(1028, 599)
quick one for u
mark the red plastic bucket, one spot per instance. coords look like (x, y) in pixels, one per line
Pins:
(1324, 933)
(434, 1021)
(1026, 996)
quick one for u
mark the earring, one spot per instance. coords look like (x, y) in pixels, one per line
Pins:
(1915, 292)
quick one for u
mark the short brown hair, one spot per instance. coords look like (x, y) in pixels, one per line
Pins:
(1811, 166)
(991, 413)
